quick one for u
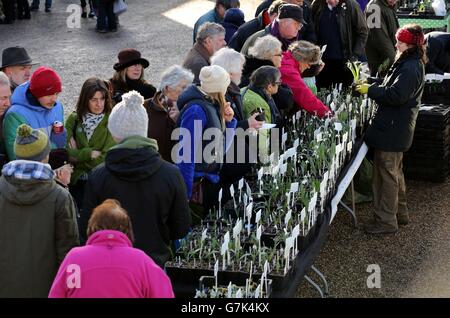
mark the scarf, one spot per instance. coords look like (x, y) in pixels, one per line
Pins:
(90, 123)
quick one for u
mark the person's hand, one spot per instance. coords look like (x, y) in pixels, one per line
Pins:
(228, 112)
(63, 174)
(362, 89)
(95, 154)
(253, 123)
(321, 66)
(72, 143)
(174, 113)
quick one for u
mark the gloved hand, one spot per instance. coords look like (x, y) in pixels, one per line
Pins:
(362, 89)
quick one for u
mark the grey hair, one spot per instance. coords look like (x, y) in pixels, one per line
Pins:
(306, 52)
(173, 76)
(209, 29)
(265, 47)
(4, 80)
(228, 59)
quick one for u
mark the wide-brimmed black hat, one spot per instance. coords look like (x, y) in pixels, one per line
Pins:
(130, 57)
(13, 56)
(292, 11)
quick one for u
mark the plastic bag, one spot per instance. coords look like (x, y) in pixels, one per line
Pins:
(439, 7)
(120, 7)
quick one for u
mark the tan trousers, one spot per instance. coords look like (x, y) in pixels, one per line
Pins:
(389, 189)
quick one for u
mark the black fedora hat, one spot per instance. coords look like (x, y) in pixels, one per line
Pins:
(130, 57)
(13, 56)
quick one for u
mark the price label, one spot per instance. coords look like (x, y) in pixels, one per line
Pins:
(258, 233)
(258, 217)
(294, 187)
(337, 126)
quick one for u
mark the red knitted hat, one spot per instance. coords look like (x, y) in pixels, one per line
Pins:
(405, 36)
(44, 82)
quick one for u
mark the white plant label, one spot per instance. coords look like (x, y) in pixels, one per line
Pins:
(258, 217)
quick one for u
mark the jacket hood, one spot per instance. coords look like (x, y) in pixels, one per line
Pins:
(19, 97)
(189, 94)
(234, 16)
(25, 192)
(134, 159)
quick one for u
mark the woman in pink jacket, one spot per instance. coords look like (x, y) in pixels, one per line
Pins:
(300, 56)
(108, 266)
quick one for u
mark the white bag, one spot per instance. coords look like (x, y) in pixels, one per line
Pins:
(120, 7)
(439, 7)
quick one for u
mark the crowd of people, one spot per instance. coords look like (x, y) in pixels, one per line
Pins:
(108, 191)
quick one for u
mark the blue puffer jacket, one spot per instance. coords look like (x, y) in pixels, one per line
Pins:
(26, 110)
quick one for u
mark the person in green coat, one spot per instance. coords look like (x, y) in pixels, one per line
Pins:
(88, 138)
(257, 98)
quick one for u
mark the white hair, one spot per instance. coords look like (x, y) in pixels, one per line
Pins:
(228, 59)
(265, 47)
(174, 75)
(4, 80)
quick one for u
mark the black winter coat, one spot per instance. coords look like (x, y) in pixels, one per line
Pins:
(352, 25)
(438, 52)
(398, 98)
(150, 189)
(245, 31)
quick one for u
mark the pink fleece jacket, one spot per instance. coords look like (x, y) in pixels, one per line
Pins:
(303, 96)
(109, 267)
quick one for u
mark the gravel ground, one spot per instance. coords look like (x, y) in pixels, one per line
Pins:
(414, 262)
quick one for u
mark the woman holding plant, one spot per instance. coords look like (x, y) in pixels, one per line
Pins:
(392, 129)
(300, 57)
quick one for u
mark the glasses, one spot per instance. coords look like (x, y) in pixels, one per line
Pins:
(280, 55)
(278, 83)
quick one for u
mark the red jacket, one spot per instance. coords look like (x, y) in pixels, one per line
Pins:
(303, 96)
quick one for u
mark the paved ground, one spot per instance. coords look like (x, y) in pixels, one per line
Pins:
(414, 262)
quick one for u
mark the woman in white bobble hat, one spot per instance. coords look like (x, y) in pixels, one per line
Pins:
(151, 189)
(204, 107)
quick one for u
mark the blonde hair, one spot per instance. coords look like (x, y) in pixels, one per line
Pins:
(265, 47)
(306, 52)
(121, 76)
(219, 98)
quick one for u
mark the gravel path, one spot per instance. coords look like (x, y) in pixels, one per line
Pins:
(415, 262)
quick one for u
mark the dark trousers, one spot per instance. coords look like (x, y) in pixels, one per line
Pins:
(334, 72)
(48, 4)
(84, 4)
(9, 10)
(77, 192)
(106, 17)
(23, 8)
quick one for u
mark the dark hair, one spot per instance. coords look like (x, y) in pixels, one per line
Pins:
(417, 31)
(228, 4)
(263, 76)
(90, 87)
(110, 216)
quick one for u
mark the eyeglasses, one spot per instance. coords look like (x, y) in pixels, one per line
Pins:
(278, 83)
(280, 54)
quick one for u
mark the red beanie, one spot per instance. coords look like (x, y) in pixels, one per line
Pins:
(44, 82)
(406, 36)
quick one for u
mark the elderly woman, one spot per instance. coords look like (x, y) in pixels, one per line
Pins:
(265, 51)
(162, 109)
(204, 107)
(257, 96)
(129, 76)
(109, 266)
(300, 57)
(233, 63)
